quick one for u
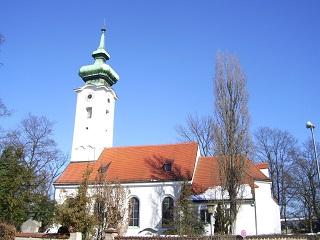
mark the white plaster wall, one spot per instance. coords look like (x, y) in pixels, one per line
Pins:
(150, 197)
(268, 214)
(246, 219)
(92, 135)
(61, 192)
(73, 236)
(265, 171)
(261, 216)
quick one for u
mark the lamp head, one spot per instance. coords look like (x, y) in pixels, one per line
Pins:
(310, 125)
(211, 208)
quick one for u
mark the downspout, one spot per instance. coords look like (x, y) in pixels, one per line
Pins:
(255, 217)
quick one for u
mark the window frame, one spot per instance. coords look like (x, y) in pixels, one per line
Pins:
(134, 219)
(167, 207)
(205, 215)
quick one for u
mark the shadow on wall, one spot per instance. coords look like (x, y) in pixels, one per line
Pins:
(164, 170)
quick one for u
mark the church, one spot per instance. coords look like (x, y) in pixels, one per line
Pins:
(153, 173)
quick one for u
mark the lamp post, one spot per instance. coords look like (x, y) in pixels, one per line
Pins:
(211, 210)
(312, 127)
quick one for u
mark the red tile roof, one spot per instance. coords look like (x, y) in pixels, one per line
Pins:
(207, 174)
(263, 165)
(137, 164)
(145, 164)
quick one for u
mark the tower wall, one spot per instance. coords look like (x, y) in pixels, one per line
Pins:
(94, 121)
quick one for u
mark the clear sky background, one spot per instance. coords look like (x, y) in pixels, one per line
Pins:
(164, 52)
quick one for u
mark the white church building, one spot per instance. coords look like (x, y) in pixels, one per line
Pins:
(153, 173)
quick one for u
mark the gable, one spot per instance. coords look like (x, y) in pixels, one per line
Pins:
(137, 164)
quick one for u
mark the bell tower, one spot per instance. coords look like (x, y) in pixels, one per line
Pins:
(94, 119)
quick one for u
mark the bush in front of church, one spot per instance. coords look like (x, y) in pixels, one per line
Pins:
(7, 231)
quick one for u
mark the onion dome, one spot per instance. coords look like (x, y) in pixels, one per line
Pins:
(99, 73)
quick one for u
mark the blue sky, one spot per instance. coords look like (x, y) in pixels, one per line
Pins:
(164, 52)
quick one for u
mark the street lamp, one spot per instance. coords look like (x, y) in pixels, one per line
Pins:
(211, 210)
(312, 127)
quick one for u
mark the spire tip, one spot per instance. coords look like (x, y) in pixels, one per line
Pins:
(104, 25)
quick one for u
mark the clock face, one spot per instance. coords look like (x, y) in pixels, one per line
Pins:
(89, 96)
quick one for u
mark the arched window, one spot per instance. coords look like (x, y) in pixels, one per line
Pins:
(134, 217)
(167, 211)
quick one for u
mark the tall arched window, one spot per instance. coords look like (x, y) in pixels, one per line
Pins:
(167, 211)
(134, 217)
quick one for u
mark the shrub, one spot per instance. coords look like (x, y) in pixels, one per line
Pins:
(7, 231)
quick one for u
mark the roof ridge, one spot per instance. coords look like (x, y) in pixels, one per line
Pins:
(261, 164)
(152, 145)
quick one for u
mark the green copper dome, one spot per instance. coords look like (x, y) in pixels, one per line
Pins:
(99, 73)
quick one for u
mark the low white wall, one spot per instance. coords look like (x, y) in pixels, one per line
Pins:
(37, 236)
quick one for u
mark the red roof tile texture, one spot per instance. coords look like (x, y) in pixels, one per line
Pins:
(146, 163)
(207, 174)
(263, 165)
(137, 164)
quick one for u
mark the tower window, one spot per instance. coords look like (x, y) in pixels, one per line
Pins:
(89, 112)
(108, 100)
(107, 111)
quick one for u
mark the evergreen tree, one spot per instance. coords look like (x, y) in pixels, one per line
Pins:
(186, 219)
(76, 212)
(18, 197)
(42, 209)
(221, 221)
(13, 188)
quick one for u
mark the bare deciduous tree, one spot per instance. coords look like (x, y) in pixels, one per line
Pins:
(197, 130)
(76, 212)
(279, 149)
(1, 42)
(4, 111)
(111, 204)
(231, 135)
(305, 204)
(41, 155)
